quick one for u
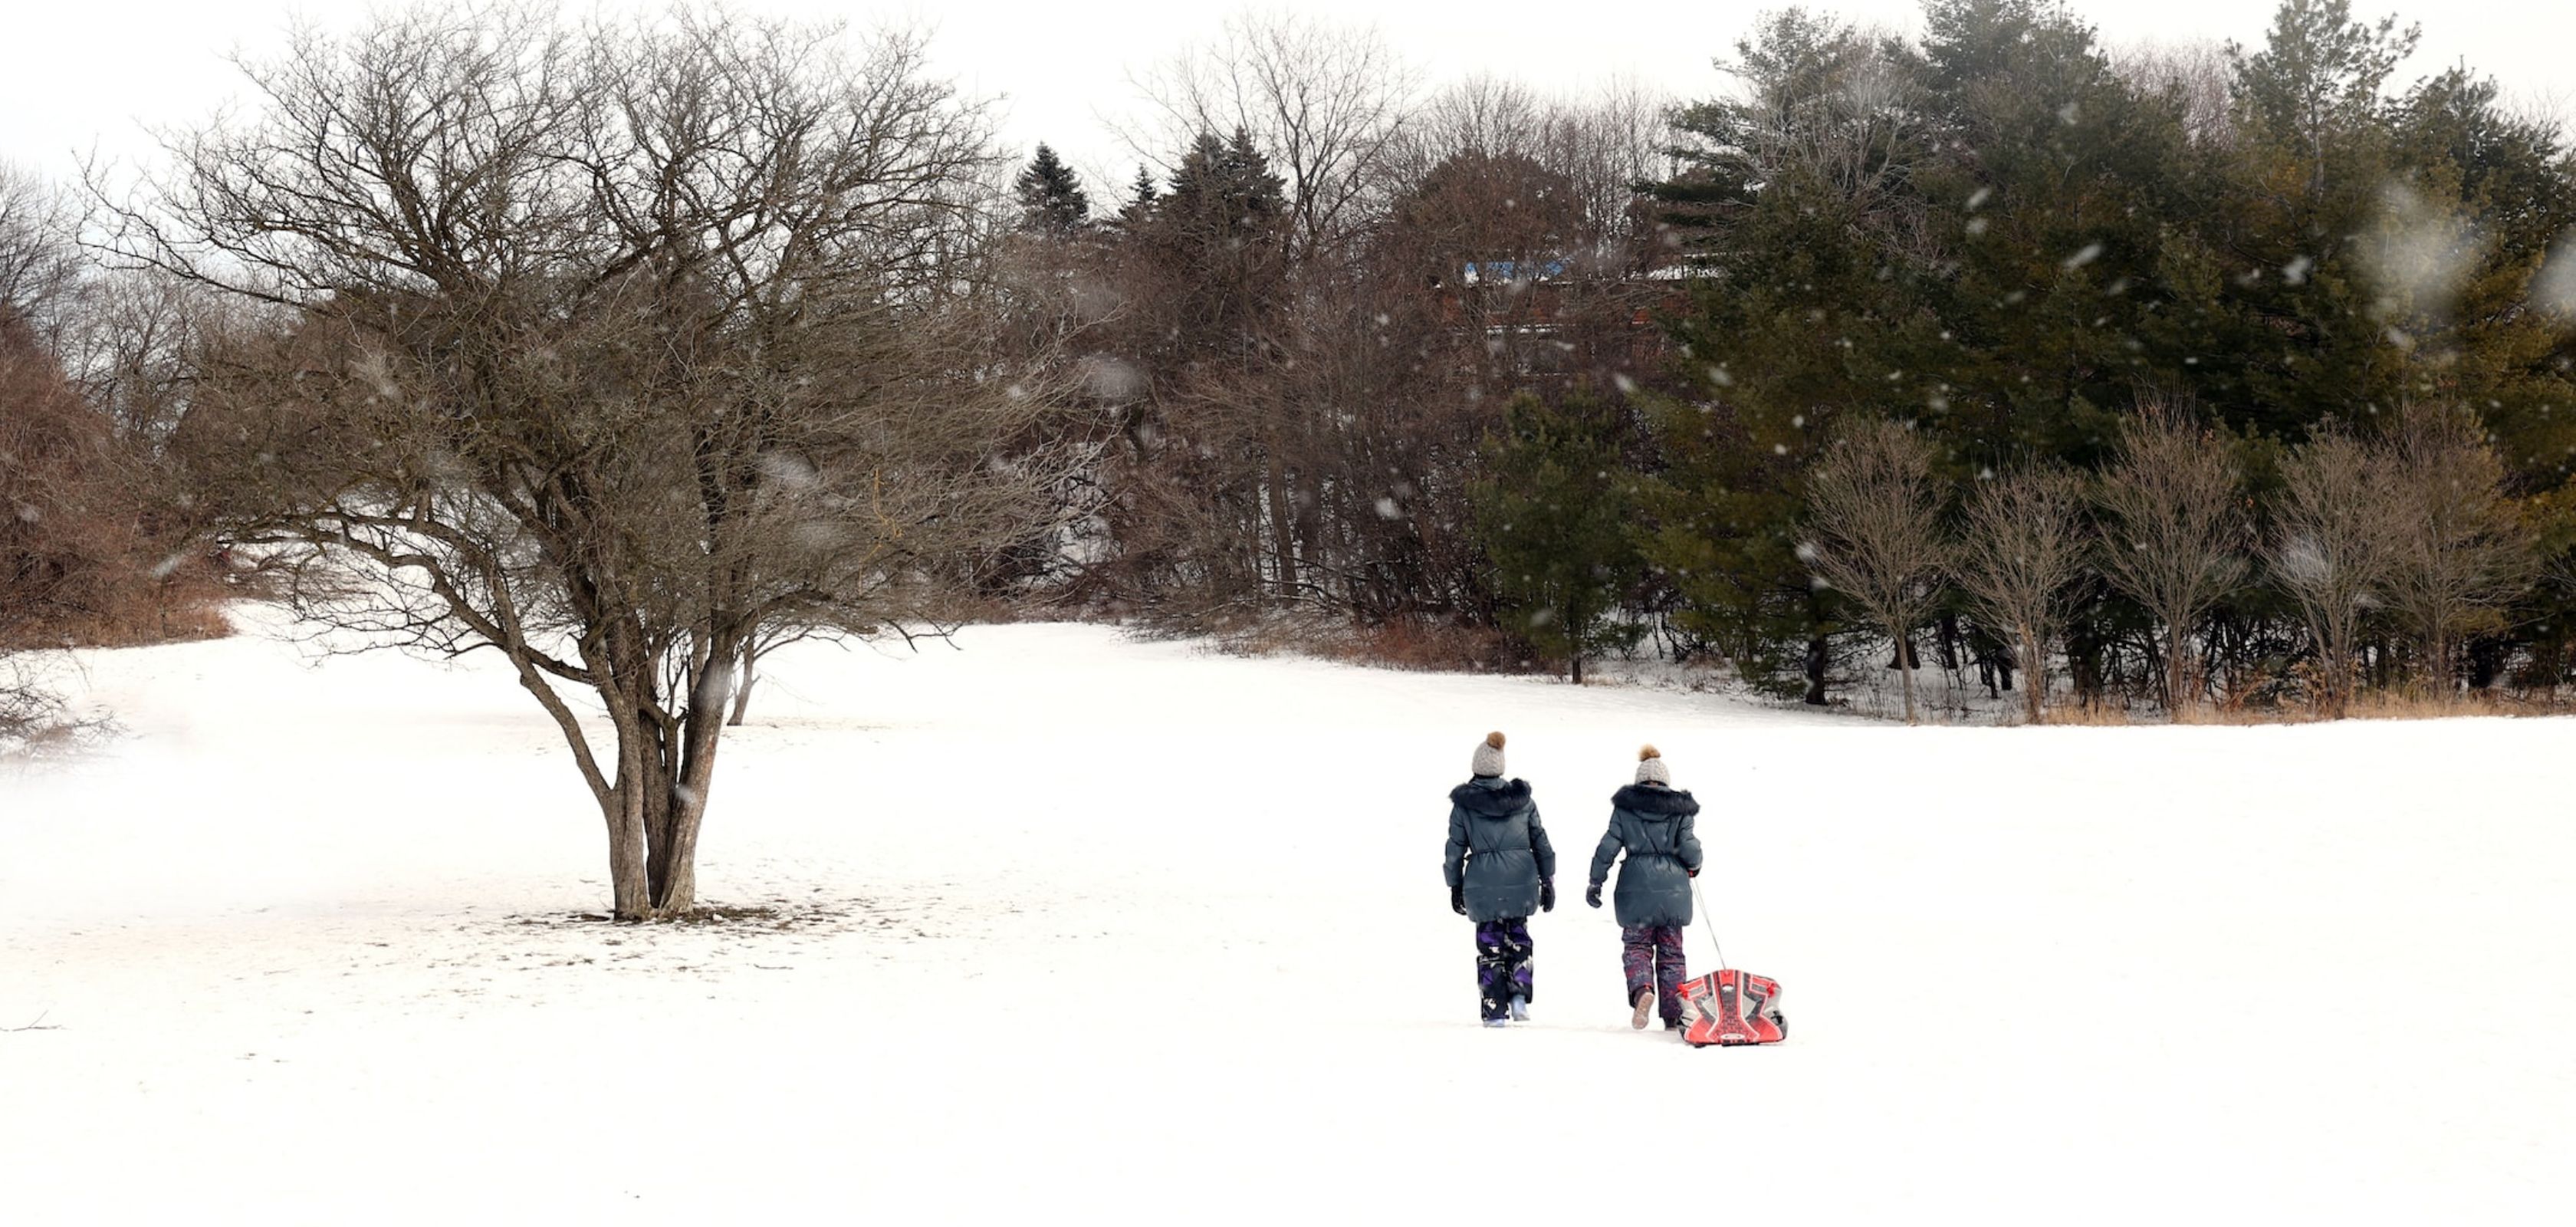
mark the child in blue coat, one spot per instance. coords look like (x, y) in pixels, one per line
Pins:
(1650, 821)
(1499, 867)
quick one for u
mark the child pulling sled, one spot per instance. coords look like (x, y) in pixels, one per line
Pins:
(1650, 822)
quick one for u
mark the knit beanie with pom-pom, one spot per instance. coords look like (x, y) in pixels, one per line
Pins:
(1489, 755)
(1651, 768)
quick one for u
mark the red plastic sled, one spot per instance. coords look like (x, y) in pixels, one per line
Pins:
(1732, 1008)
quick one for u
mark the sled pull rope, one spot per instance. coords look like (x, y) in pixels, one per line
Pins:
(1712, 925)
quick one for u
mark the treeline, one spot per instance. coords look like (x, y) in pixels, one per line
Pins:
(1294, 337)
(2248, 299)
(2163, 376)
(98, 544)
(1877, 320)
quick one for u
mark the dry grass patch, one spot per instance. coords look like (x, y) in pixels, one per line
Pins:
(2089, 715)
(1401, 643)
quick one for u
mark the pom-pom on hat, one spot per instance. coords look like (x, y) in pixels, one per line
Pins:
(1489, 755)
(1651, 768)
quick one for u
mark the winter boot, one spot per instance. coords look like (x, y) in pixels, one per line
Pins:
(1520, 1009)
(1645, 1010)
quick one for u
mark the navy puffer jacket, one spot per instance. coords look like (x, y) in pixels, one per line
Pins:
(1497, 848)
(1652, 824)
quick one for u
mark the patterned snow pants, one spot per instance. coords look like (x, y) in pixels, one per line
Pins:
(1503, 964)
(1653, 954)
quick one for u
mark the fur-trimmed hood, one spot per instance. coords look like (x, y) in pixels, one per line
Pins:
(1487, 801)
(1654, 801)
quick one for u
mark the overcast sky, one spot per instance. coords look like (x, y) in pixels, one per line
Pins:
(91, 73)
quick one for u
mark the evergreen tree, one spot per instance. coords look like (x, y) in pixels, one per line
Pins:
(1997, 234)
(1142, 195)
(1799, 197)
(1556, 511)
(2318, 77)
(1050, 196)
(1226, 189)
(2049, 204)
(1218, 233)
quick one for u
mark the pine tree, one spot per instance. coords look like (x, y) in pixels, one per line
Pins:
(2001, 236)
(1797, 195)
(1226, 188)
(1218, 235)
(2318, 77)
(1557, 510)
(1051, 197)
(1143, 196)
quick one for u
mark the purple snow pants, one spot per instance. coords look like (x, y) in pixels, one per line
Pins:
(1653, 960)
(1502, 964)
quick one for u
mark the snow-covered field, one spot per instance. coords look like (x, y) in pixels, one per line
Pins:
(1104, 930)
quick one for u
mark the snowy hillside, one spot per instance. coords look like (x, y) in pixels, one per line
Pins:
(1073, 925)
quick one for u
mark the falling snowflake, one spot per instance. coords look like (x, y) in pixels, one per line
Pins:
(2555, 288)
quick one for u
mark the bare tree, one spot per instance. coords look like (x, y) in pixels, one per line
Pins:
(1601, 146)
(1324, 102)
(610, 348)
(74, 497)
(1875, 512)
(2023, 546)
(2195, 76)
(127, 346)
(2173, 529)
(2334, 541)
(41, 269)
(2461, 554)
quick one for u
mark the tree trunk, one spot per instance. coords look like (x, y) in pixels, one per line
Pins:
(1818, 650)
(2177, 665)
(664, 769)
(1283, 529)
(629, 819)
(2084, 665)
(1906, 671)
(675, 885)
(2034, 676)
(742, 690)
(2486, 663)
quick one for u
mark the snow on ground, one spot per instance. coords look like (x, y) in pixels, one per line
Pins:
(1095, 928)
